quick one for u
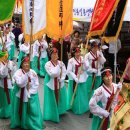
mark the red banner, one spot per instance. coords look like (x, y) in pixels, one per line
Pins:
(102, 14)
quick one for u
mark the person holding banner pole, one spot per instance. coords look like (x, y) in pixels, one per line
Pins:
(54, 88)
(40, 56)
(26, 111)
(77, 96)
(104, 98)
(9, 42)
(94, 61)
(24, 51)
(7, 68)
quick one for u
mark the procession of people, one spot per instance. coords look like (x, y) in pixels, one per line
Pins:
(82, 84)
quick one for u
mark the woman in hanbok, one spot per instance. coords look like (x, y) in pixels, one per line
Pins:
(9, 42)
(24, 51)
(103, 98)
(7, 68)
(26, 111)
(40, 56)
(76, 72)
(94, 61)
(54, 88)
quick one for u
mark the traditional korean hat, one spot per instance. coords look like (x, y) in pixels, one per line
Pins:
(3, 56)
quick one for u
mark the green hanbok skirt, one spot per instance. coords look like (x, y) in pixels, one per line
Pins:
(43, 61)
(89, 81)
(51, 110)
(31, 113)
(80, 104)
(5, 108)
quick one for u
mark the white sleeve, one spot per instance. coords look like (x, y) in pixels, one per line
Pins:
(102, 59)
(52, 71)
(69, 70)
(45, 44)
(87, 65)
(3, 71)
(20, 37)
(12, 36)
(94, 107)
(34, 83)
(63, 70)
(35, 49)
(20, 79)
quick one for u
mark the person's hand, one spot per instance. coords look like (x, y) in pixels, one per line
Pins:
(106, 114)
(119, 85)
(76, 80)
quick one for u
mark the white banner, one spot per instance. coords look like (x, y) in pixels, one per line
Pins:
(39, 23)
(82, 10)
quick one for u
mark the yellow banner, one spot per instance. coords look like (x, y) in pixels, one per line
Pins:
(59, 18)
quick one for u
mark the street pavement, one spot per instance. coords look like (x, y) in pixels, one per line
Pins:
(68, 121)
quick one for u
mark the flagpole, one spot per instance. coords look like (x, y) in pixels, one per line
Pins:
(1, 39)
(31, 22)
(31, 42)
(115, 61)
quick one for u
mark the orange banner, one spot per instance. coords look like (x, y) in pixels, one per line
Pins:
(59, 18)
(102, 14)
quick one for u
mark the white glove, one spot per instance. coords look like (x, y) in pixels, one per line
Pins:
(94, 71)
(119, 85)
(106, 114)
(76, 80)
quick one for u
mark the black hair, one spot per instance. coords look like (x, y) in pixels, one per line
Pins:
(103, 71)
(76, 32)
(73, 51)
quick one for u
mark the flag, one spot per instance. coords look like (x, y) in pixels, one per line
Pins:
(102, 14)
(59, 18)
(115, 23)
(39, 19)
(6, 10)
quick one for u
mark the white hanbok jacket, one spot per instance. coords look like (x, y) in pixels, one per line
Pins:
(7, 70)
(22, 80)
(89, 57)
(102, 94)
(9, 40)
(43, 51)
(54, 71)
(71, 68)
(26, 49)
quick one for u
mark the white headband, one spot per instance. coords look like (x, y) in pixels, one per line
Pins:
(105, 70)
